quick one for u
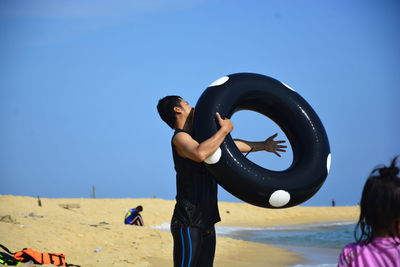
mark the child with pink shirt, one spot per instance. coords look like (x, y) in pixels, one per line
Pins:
(378, 238)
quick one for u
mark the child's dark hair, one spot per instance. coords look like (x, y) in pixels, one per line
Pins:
(165, 109)
(380, 204)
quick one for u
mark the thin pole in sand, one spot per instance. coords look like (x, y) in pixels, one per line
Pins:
(93, 193)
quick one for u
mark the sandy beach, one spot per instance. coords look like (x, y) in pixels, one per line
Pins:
(91, 231)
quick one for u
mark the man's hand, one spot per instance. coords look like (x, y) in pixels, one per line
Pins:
(225, 124)
(273, 146)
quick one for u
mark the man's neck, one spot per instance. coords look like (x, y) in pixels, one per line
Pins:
(185, 123)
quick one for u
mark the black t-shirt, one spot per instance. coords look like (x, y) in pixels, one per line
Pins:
(196, 198)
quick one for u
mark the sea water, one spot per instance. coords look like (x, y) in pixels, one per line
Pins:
(319, 244)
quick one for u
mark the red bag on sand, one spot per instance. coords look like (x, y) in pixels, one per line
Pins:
(36, 257)
(28, 254)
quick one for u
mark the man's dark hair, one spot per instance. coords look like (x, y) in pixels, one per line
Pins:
(166, 111)
(380, 203)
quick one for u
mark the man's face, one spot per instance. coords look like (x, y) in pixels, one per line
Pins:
(185, 106)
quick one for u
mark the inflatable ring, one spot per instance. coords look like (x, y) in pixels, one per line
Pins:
(303, 128)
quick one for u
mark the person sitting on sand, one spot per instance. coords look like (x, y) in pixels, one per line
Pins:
(133, 216)
(379, 222)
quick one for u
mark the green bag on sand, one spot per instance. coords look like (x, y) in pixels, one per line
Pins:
(8, 260)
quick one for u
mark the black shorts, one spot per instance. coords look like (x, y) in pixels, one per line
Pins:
(193, 246)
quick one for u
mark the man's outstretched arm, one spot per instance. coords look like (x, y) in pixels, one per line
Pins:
(269, 145)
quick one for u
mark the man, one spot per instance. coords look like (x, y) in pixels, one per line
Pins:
(196, 209)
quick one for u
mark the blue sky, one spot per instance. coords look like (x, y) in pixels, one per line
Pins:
(80, 80)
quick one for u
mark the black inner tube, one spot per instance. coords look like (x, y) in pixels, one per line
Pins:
(245, 179)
